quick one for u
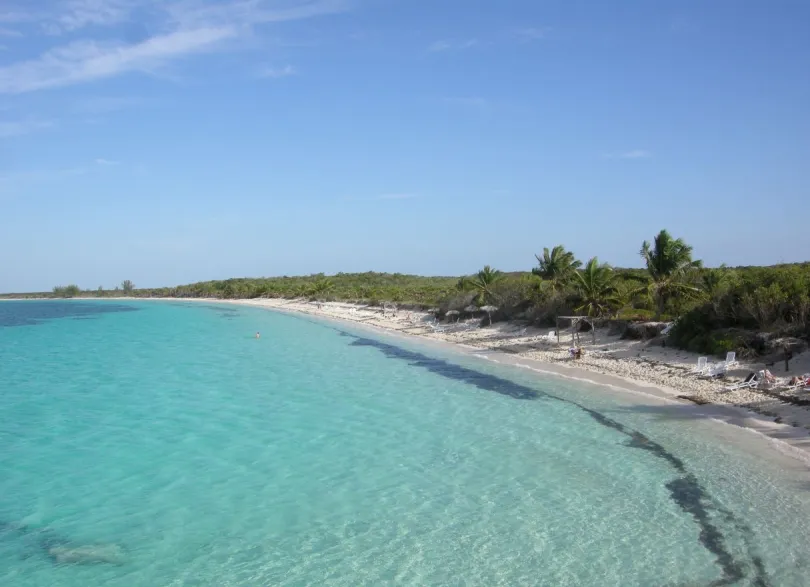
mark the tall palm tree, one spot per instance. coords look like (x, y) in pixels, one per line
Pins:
(557, 266)
(596, 288)
(483, 283)
(669, 262)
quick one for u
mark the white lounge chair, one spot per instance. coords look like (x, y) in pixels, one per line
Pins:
(801, 384)
(715, 370)
(731, 359)
(702, 366)
(751, 381)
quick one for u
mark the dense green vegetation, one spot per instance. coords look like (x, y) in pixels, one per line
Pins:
(716, 309)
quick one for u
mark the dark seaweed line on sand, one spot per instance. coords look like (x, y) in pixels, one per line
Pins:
(686, 491)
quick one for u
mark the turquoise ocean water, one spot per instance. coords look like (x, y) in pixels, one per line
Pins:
(324, 455)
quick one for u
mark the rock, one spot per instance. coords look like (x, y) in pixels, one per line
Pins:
(83, 555)
(643, 330)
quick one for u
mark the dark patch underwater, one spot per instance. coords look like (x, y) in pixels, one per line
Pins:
(34, 312)
(685, 490)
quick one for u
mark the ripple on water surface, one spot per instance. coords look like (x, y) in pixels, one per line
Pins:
(165, 445)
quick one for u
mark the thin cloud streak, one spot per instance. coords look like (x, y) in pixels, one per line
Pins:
(470, 102)
(277, 72)
(83, 13)
(86, 60)
(23, 127)
(396, 197)
(188, 27)
(635, 154)
(107, 104)
(450, 45)
(195, 13)
(530, 34)
(106, 162)
(383, 197)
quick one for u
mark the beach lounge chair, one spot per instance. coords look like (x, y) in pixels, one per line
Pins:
(804, 381)
(702, 365)
(667, 329)
(731, 359)
(715, 370)
(752, 380)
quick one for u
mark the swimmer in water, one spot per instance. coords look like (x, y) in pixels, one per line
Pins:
(258, 335)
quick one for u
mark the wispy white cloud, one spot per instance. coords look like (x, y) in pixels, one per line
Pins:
(195, 13)
(403, 196)
(17, 179)
(470, 102)
(107, 104)
(4, 32)
(185, 27)
(634, 154)
(530, 34)
(106, 162)
(84, 61)
(17, 15)
(16, 128)
(383, 197)
(276, 72)
(77, 14)
(683, 25)
(452, 45)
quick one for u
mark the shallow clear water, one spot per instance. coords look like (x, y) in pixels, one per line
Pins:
(320, 456)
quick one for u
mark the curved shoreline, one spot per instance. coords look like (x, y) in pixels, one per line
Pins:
(790, 441)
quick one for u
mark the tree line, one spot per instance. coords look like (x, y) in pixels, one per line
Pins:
(712, 305)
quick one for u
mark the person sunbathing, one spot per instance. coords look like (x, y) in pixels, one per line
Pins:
(803, 380)
(769, 377)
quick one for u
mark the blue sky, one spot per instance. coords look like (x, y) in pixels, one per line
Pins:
(179, 140)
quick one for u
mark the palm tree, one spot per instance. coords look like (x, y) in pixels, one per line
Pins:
(668, 261)
(483, 283)
(321, 287)
(595, 285)
(557, 266)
